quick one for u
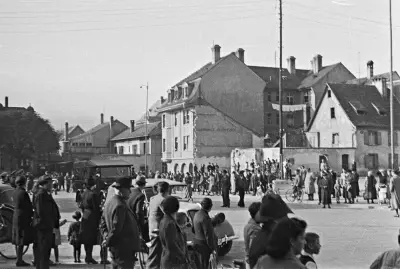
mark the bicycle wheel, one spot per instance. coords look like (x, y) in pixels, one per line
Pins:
(289, 196)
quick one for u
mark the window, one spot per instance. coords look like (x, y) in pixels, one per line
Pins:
(163, 120)
(176, 144)
(269, 97)
(335, 139)
(144, 148)
(333, 116)
(306, 97)
(269, 118)
(372, 138)
(395, 138)
(290, 120)
(371, 161)
(88, 144)
(176, 118)
(186, 142)
(329, 94)
(186, 92)
(120, 150)
(186, 117)
(277, 97)
(134, 150)
(289, 98)
(396, 160)
(277, 118)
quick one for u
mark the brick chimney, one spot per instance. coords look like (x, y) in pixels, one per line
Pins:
(66, 131)
(111, 126)
(381, 85)
(216, 53)
(132, 126)
(101, 118)
(240, 54)
(291, 65)
(370, 69)
(317, 63)
(6, 102)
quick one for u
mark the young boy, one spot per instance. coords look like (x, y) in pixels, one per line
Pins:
(74, 236)
(311, 247)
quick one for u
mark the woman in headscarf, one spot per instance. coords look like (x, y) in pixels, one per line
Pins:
(174, 250)
(286, 241)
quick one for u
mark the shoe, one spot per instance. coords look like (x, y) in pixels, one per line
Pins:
(51, 263)
(105, 262)
(92, 261)
(323, 207)
(78, 261)
(329, 206)
(22, 264)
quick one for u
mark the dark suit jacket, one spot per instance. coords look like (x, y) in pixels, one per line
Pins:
(119, 227)
(23, 210)
(173, 244)
(46, 211)
(226, 182)
(203, 229)
(90, 205)
(136, 204)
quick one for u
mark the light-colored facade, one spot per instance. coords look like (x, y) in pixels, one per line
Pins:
(356, 116)
(132, 146)
(214, 110)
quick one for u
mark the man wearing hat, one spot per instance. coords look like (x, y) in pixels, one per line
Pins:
(136, 204)
(90, 205)
(45, 220)
(272, 209)
(22, 218)
(119, 227)
(226, 188)
(241, 187)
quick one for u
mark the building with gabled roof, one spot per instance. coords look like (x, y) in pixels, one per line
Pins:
(355, 116)
(95, 141)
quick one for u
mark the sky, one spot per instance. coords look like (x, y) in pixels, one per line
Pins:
(74, 59)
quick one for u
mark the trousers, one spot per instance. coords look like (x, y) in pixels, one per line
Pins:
(225, 197)
(155, 250)
(43, 243)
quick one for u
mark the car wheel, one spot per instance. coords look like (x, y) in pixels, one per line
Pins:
(225, 248)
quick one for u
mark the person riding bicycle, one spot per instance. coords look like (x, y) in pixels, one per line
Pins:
(298, 183)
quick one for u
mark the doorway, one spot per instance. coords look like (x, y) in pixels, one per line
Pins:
(345, 161)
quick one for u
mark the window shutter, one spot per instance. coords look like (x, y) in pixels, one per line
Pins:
(395, 139)
(379, 138)
(366, 138)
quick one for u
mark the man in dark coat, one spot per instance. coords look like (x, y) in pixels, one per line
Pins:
(226, 187)
(136, 204)
(204, 242)
(45, 220)
(90, 205)
(240, 188)
(22, 234)
(119, 227)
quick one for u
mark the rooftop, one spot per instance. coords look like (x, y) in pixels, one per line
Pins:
(153, 129)
(365, 80)
(364, 105)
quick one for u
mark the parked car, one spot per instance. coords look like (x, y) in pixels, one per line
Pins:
(223, 229)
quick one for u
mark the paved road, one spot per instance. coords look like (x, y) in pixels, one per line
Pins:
(352, 235)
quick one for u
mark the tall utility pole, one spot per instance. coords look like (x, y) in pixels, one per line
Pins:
(280, 92)
(146, 126)
(391, 88)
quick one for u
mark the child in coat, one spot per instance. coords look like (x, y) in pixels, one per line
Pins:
(337, 188)
(73, 236)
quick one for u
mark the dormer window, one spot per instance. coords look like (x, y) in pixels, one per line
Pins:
(179, 96)
(185, 90)
(381, 110)
(172, 95)
(358, 107)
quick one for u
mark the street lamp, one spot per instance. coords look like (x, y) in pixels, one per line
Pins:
(146, 121)
(391, 88)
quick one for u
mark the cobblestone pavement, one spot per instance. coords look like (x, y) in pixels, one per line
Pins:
(352, 235)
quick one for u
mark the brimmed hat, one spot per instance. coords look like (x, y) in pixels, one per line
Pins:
(123, 182)
(272, 208)
(44, 180)
(20, 181)
(141, 181)
(77, 215)
(90, 182)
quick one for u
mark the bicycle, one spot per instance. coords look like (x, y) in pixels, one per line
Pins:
(7, 249)
(291, 197)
